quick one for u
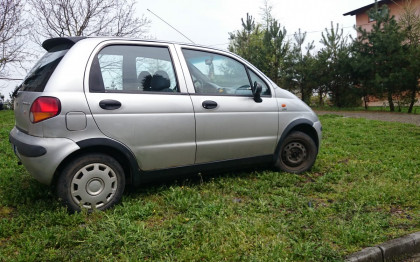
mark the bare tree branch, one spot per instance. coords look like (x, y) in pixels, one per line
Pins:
(87, 18)
(13, 29)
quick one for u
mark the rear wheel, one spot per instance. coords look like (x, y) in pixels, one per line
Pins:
(297, 153)
(93, 181)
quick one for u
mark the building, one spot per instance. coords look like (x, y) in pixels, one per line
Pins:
(396, 8)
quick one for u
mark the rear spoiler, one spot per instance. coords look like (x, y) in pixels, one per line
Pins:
(52, 42)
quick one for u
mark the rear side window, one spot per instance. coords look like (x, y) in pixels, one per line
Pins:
(129, 68)
(39, 75)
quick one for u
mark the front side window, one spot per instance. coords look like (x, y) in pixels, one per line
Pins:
(254, 78)
(127, 68)
(217, 74)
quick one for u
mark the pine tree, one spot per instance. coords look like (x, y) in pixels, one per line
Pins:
(339, 80)
(410, 24)
(382, 56)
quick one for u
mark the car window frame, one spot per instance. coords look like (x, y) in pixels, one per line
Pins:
(268, 86)
(94, 65)
(221, 53)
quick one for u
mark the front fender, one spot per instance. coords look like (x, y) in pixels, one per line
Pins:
(313, 129)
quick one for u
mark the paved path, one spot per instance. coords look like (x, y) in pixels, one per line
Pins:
(383, 116)
(414, 258)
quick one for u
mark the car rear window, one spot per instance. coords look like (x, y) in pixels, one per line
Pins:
(38, 77)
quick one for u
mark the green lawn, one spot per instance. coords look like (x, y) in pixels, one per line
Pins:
(364, 189)
(404, 109)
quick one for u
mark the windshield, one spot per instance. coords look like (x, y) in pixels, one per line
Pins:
(38, 77)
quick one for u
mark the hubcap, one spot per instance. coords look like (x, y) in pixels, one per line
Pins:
(294, 154)
(93, 186)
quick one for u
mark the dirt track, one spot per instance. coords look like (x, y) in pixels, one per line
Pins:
(383, 116)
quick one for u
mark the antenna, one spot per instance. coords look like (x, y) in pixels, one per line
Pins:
(170, 26)
(12, 79)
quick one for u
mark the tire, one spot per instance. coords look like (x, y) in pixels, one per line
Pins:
(297, 153)
(92, 181)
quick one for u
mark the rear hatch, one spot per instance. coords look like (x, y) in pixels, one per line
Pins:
(36, 80)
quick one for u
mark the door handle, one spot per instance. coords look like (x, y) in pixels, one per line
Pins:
(209, 104)
(109, 104)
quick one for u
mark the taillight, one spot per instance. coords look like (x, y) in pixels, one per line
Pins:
(44, 107)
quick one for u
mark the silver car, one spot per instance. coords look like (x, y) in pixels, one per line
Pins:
(97, 114)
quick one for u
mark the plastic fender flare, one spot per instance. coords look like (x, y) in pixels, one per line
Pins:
(121, 148)
(288, 129)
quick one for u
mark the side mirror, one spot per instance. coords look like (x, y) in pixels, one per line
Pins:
(256, 92)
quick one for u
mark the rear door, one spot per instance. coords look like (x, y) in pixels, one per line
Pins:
(229, 123)
(137, 98)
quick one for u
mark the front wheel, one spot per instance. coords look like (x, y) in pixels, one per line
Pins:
(297, 153)
(93, 181)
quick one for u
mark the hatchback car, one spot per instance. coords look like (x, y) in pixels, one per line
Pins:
(97, 114)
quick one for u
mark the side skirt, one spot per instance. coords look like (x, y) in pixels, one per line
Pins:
(222, 166)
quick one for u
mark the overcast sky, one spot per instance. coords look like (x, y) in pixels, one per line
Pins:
(208, 22)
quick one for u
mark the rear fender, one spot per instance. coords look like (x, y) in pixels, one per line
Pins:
(114, 149)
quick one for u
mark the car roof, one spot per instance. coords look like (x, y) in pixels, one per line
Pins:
(70, 41)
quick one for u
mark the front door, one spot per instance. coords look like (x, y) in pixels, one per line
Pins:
(229, 123)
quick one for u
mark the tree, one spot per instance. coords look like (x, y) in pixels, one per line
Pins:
(58, 18)
(299, 69)
(13, 28)
(322, 74)
(274, 52)
(383, 55)
(265, 48)
(266, 15)
(336, 65)
(410, 24)
(245, 42)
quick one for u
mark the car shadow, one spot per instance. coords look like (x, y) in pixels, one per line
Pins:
(161, 183)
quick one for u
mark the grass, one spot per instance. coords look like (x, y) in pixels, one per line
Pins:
(363, 190)
(404, 109)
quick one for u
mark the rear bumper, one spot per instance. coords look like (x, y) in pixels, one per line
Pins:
(41, 156)
(27, 150)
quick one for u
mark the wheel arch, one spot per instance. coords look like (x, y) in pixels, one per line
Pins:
(109, 147)
(302, 125)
